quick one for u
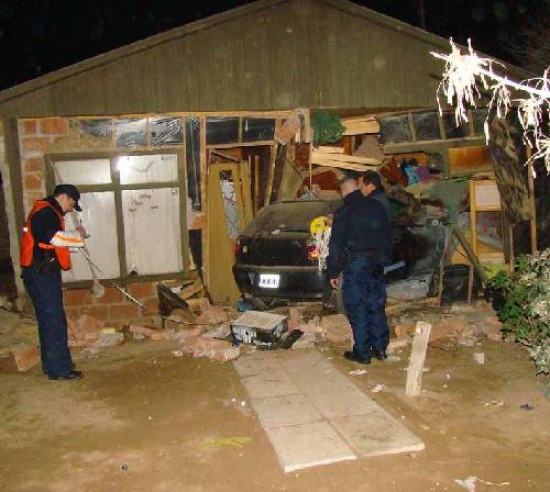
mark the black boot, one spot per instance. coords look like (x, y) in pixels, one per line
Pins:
(351, 355)
(379, 354)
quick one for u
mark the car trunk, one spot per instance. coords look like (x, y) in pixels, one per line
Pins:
(279, 235)
(268, 249)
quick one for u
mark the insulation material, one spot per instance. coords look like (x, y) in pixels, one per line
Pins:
(99, 218)
(152, 223)
(83, 172)
(139, 169)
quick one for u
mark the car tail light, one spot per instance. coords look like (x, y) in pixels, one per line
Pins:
(237, 247)
(312, 252)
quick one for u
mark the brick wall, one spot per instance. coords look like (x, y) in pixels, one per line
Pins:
(114, 308)
(57, 135)
(36, 137)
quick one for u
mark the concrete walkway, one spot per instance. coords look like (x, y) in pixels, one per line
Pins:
(313, 414)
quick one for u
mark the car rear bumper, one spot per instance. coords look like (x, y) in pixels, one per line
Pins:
(295, 283)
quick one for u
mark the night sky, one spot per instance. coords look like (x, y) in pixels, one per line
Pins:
(38, 36)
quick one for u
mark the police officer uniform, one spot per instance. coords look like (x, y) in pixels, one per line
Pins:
(44, 252)
(360, 245)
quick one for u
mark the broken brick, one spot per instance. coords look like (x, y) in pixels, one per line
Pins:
(25, 356)
(213, 316)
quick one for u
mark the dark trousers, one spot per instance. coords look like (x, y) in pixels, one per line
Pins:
(44, 288)
(364, 293)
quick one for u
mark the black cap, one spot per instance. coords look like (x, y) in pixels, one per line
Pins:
(69, 190)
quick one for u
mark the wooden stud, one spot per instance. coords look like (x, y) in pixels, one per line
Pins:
(270, 175)
(204, 196)
(418, 357)
(256, 183)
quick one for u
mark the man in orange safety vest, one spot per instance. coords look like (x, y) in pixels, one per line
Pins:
(44, 253)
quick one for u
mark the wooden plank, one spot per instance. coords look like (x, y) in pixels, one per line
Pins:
(418, 357)
(191, 290)
(471, 256)
(204, 197)
(256, 183)
(325, 149)
(341, 165)
(270, 175)
(348, 159)
(360, 127)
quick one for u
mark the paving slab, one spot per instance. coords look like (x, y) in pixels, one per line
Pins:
(306, 445)
(375, 434)
(313, 414)
(279, 411)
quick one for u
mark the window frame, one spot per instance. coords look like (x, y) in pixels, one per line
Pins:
(117, 188)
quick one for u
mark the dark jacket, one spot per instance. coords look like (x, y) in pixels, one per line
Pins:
(361, 227)
(381, 197)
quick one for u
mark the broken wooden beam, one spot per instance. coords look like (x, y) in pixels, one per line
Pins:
(343, 161)
(360, 126)
(417, 359)
(471, 255)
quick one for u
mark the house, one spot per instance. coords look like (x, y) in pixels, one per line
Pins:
(176, 140)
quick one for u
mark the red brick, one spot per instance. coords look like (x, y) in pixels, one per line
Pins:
(30, 127)
(143, 290)
(124, 311)
(111, 296)
(199, 304)
(77, 297)
(33, 165)
(53, 126)
(72, 314)
(36, 143)
(152, 333)
(99, 312)
(151, 305)
(33, 182)
(25, 356)
(215, 315)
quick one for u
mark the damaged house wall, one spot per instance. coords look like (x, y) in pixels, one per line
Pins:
(267, 58)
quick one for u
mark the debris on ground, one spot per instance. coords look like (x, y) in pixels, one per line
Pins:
(226, 442)
(378, 388)
(336, 329)
(469, 483)
(358, 372)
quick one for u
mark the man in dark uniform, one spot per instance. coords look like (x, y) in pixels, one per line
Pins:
(370, 184)
(44, 252)
(360, 244)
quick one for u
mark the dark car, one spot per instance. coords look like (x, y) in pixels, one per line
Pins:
(276, 258)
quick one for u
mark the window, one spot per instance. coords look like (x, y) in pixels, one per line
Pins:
(132, 210)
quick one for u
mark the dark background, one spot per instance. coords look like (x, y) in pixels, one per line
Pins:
(38, 36)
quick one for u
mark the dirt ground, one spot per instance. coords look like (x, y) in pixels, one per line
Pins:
(145, 420)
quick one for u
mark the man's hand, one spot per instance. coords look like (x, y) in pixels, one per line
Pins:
(334, 283)
(82, 231)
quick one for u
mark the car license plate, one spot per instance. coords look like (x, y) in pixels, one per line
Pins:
(269, 280)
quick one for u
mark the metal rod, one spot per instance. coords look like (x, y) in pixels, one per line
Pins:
(114, 284)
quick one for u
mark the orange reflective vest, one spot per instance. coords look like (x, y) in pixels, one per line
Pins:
(62, 253)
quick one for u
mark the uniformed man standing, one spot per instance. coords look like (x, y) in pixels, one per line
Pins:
(370, 184)
(44, 252)
(360, 245)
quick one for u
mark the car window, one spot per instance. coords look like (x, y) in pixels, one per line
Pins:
(290, 216)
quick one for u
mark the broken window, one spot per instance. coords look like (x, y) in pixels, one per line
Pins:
(136, 195)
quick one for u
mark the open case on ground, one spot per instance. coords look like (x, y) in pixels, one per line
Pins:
(264, 330)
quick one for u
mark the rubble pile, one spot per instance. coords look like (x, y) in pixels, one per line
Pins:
(465, 325)
(204, 330)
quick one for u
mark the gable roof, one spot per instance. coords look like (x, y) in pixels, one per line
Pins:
(272, 54)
